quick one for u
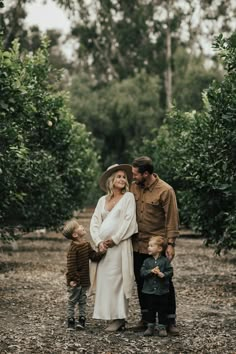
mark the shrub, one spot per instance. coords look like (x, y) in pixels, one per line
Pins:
(47, 159)
(196, 152)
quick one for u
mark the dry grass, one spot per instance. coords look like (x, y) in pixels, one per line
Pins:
(33, 303)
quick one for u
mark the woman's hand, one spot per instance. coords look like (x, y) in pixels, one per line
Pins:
(110, 243)
(102, 247)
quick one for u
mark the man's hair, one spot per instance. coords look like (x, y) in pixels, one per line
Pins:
(69, 228)
(160, 241)
(143, 164)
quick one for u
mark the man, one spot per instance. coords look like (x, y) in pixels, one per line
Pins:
(157, 215)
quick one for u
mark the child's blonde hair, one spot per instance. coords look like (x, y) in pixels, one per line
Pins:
(69, 228)
(160, 241)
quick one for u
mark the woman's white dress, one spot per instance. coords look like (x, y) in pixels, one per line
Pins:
(114, 276)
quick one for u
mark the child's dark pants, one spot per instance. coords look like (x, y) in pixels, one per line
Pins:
(157, 304)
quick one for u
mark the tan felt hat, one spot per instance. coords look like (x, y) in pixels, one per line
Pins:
(113, 168)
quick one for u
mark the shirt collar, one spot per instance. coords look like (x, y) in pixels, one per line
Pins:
(153, 184)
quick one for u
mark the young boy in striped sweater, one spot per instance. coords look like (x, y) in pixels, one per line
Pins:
(78, 282)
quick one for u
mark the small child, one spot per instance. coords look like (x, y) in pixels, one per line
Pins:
(156, 271)
(77, 275)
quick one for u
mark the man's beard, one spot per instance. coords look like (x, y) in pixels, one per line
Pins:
(141, 183)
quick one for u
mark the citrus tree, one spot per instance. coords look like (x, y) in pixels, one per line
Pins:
(47, 159)
(196, 152)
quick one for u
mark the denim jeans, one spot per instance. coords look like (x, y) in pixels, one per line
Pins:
(76, 296)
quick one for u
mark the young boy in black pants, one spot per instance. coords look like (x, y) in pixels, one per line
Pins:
(157, 272)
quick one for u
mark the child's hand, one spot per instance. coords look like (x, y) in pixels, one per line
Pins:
(160, 274)
(73, 283)
(155, 270)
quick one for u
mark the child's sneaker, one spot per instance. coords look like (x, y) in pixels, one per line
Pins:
(81, 323)
(71, 324)
(162, 332)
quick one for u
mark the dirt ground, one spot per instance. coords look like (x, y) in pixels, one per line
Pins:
(33, 303)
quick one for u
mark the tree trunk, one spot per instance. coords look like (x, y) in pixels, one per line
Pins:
(168, 78)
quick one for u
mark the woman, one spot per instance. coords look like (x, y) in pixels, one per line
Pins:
(112, 225)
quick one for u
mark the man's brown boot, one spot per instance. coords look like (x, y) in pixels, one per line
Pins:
(150, 330)
(141, 326)
(173, 330)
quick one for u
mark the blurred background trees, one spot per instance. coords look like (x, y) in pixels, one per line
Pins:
(119, 114)
(144, 80)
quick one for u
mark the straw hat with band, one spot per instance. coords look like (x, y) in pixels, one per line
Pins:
(111, 169)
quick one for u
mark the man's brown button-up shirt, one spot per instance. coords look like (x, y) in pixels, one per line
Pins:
(157, 213)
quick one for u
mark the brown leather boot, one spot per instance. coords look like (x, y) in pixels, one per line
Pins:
(173, 330)
(150, 330)
(141, 326)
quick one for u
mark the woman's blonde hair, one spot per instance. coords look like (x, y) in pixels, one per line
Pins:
(110, 184)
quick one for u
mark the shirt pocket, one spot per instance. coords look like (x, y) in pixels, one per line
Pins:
(153, 211)
(153, 205)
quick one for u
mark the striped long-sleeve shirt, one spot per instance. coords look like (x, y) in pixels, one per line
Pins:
(78, 263)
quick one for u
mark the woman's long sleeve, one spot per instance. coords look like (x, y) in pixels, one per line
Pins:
(96, 223)
(128, 224)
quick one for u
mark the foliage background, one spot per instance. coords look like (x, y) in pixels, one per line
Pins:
(196, 152)
(132, 59)
(47, 159)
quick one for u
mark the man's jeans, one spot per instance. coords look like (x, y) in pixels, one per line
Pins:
(78, 296)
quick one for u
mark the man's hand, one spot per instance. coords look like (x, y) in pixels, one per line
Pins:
(170, 252)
